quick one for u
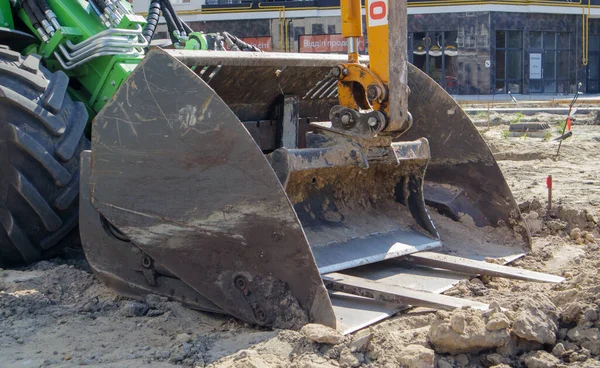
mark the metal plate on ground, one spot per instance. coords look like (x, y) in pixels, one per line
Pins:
(395, 293)
(354, 313)
(370, 249)
(432, 259)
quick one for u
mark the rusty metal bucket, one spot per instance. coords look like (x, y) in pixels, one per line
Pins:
(210, 181)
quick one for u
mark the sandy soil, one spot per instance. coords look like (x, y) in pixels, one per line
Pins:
(56, 313)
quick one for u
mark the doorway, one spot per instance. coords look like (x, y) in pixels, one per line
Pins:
(593, 67)
(509, 61)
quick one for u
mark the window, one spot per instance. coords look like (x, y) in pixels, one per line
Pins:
(554, 48)
(509, 61)
(436, 54)
(318, 28)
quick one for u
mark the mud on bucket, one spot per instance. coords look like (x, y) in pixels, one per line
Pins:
(357, 203)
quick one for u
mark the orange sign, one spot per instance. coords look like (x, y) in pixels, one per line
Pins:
(332, 43)
(263, 43)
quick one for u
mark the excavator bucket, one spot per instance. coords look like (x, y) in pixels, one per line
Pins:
(214, 179)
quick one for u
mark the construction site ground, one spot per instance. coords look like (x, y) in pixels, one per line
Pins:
(55, 313)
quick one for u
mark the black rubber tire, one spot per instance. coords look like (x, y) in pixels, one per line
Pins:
(41, 138)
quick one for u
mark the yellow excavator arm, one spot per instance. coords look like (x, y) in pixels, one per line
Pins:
(375, 96)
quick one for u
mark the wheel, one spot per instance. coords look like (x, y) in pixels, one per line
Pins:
(41, 138)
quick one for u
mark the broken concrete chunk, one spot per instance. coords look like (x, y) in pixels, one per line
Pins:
(473, 339)
(322, 334)
(417, 356)
(537, 320)
(498, 321)
(539, 359)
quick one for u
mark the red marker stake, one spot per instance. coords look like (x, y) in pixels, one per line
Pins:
(549, 186)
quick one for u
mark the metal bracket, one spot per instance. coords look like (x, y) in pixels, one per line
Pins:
(290, 122)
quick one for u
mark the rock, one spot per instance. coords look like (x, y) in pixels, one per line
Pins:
(457, 322)
(498, 283)
(539, 359)
(567, 274)
(562, 333)
(442, 314)
(569, 346)
(162, 354)
(322, 334)
(347, 359)
(155, 301)
(495, 306)
(571, 312)
(361, 341)
(494, 359)
(590, 217)
(575, 233)
(416, 356)
(474, 338)
(154, 313)
(556, 225)
(590, 315)
(462, 360)
(559, 350)
(587, 337)
(183, 337)
(589, 237)
(536, 320)
(477, 287)
(579, 356)
(134, 309)
(444, 364)
(476, 281)
(177, 357)
(498, 321)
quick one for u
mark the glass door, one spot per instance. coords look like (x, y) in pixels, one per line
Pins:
(549, 62)
(509, 61)
(593, 67)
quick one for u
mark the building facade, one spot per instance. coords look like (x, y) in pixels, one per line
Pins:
(468, 47)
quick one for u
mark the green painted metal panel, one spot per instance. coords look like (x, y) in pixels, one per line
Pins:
(6, 18)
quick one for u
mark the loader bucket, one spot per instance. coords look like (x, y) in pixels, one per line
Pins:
(202, 186)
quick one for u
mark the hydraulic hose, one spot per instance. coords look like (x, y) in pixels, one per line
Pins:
(42, 5)
(36, 11)
(37, 19)
(170, 23)
(187, 28)
(243, 46)
(152, 20)
(32, 18)
(166, 5)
